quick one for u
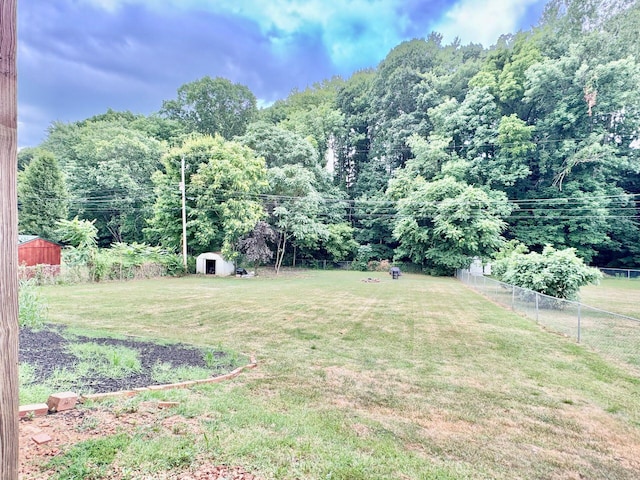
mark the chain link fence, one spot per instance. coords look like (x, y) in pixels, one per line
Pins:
(627, 273)
(614, 336)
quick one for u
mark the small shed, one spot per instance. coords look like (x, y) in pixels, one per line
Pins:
(33, 250)
(212, 263)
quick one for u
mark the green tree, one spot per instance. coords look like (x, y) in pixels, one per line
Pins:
(352, 145)
(296, 209)
(213, 106)
(443, 224)
(312, 115)
(42, 195)
(108, 166)
(80, 234)
(110, 179)
(339, 244)
(223, 180)
(25, 155)
(279, 146)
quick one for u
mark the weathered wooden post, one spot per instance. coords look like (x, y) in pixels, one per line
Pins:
(8, 244)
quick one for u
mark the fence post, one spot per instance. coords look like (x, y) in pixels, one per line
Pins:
(537, 318)
(513, 297)
(579, 321)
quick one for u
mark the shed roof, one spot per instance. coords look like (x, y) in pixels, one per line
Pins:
(26, 238)
(22, 239)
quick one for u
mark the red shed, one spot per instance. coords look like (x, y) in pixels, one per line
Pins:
(33, 250)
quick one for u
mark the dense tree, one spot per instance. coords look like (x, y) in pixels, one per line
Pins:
(223, 180)
(25, 156)
(295, 209)
(42, 196)
(213, 106)
(339, 244)
(279, 146)
(443, 224)
(352, 146)
(109, 169)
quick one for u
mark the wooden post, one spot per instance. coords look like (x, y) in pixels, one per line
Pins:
(8, 243)
(183, 189)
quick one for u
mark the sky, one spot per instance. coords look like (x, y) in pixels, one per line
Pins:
(78, 58)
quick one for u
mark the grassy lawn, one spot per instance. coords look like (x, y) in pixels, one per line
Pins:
(616, 295)
(418, 378)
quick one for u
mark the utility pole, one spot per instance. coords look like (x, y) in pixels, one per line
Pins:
(8, 243)
(183, 188)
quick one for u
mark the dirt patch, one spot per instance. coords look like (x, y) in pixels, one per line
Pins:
(46, 351)
(68, 428)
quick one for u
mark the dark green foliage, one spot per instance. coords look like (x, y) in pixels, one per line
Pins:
(108, 166)
(42, 196)
(279, 146)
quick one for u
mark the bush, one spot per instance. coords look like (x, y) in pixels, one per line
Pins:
(123, 261)
(32, 310)
(361, 262)
(557, 273)
(379, 266)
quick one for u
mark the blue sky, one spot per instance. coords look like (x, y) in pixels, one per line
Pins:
(77, 58)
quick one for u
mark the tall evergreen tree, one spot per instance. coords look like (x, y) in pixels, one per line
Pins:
(42, 196)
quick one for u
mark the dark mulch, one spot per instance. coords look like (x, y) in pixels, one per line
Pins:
(46, 350)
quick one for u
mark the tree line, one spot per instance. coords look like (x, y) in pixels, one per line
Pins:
(441, 153)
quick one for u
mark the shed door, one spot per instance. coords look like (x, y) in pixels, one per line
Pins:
(210, 267)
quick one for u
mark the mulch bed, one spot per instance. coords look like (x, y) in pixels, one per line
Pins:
(46, 350)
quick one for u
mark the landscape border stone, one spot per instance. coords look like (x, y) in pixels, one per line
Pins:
(42, 409)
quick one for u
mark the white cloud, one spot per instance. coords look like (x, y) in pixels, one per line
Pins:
(482, 21)
(364, 30)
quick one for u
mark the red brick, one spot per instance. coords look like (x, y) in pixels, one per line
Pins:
(59, 402)
(36, 410)
(41, 438)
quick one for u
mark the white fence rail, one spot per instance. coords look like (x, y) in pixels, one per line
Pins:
(613, 335)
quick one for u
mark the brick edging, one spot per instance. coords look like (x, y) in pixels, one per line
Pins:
(26, 411)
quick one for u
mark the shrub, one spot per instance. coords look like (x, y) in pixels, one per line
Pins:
(557, 273)
(32, 310)
(128, 261)
(361, 262)
(379, 266)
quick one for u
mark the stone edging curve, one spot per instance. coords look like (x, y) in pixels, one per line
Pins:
(26, 411)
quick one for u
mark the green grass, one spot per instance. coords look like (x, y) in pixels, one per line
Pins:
(105, 360)
(89, 459)
(416, 378)
(615, 295)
